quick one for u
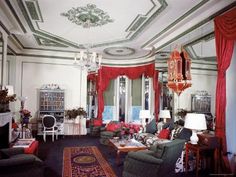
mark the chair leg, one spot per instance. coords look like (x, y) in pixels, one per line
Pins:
(44, 137)
(56, 135)
(52, 136)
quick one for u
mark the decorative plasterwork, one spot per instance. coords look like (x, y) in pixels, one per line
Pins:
(88, 16)
(47, 42)
(135, 28)
(119, 51)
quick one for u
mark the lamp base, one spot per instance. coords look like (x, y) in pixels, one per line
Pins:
(194, 138)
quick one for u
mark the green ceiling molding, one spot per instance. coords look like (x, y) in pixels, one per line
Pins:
(45, 34)
(197, 25)
(41, 32)
(137, 22)
(33, 9)
(175, 22)
(42, 41)
(205, 38)
(88, 16)
(15, 15)
(70, 43)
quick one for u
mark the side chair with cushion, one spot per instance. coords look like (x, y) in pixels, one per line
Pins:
(14, 163)
(112, 129)
(159, 161)
(49, 126)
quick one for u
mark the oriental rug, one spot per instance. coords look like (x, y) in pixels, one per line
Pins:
(85, 162)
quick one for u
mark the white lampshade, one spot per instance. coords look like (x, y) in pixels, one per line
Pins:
(144, 114)
(165, 114)
(10, 90)
(195, 122)
(22, 98)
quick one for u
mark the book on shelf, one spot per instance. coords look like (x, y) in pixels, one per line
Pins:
(25, 143)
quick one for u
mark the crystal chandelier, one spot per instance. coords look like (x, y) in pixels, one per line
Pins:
(85, 58)
(88, 60)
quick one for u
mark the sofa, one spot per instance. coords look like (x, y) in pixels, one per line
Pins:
(159, 160)
(14, 163)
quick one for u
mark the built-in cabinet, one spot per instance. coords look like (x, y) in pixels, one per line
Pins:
(51, 102)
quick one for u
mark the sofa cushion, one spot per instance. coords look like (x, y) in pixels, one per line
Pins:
(164, 134)
(185, 134)
(151, 127)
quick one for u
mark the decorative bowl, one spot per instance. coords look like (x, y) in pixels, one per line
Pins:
(122, 144)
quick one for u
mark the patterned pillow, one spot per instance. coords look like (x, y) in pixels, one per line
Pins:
(175, 132)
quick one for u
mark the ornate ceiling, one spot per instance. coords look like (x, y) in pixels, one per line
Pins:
(124, 31)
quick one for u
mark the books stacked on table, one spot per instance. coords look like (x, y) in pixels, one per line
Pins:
(25, 143)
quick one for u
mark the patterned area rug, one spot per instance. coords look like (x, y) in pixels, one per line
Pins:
(85, 162)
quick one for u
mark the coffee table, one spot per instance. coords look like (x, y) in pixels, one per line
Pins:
(130, 145)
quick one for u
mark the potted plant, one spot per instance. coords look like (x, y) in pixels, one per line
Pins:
(5, 99)
(71, 114)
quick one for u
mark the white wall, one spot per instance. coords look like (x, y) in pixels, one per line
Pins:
(31, 73)
(201, 80)
(231, 105)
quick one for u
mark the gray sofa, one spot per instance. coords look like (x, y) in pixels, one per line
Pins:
(160, 160)
(14, 163)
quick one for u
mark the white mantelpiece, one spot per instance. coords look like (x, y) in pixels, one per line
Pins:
(4, 119)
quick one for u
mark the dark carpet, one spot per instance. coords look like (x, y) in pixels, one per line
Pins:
(52, 154)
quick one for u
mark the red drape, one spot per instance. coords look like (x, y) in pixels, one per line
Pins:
(92, 77)
(225, 35)
(105, 74)
(156, 88)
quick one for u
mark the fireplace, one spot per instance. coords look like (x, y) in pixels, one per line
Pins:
(5, 129)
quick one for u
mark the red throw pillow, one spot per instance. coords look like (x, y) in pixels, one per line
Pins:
(164, 134)
(112, 127)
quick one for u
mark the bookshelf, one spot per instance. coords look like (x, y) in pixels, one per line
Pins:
(51, 102)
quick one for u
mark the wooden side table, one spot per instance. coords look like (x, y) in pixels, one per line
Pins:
(198, 150)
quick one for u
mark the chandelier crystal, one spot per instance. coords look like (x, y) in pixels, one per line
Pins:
(88, 60)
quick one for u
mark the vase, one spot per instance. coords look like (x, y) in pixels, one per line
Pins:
(4, 107)
(25, 120)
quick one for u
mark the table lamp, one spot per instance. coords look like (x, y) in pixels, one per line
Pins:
(165, 114)
(144, 115)
(195, 122)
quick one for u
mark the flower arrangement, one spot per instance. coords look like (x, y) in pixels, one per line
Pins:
(5, 100)
(73, 113)
(25, 116)
(25, 113)
(128, 130)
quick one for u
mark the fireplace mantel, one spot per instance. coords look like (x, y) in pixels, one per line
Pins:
(4, 119)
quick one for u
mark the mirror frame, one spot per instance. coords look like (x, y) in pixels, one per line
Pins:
(2, 40)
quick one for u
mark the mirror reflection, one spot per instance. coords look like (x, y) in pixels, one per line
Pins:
(1, 58)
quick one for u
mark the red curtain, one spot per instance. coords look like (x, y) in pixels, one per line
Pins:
(105, 74)
(225, 35)
(156, 87)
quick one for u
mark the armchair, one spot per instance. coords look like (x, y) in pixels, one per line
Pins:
(160, 160)
(111, 130)
(13, 162)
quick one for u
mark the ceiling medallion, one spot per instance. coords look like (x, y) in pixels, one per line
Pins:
(88, 16)
(119, 51)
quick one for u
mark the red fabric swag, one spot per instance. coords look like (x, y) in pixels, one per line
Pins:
(225, 35)
(105, 74)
